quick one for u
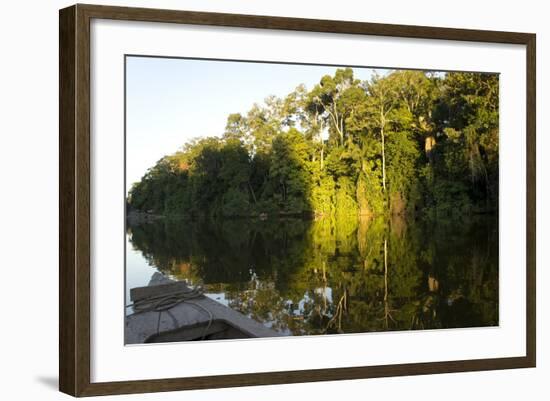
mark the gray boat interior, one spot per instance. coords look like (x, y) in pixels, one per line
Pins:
(217, 329)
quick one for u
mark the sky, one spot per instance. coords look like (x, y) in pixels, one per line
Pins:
(170, 101)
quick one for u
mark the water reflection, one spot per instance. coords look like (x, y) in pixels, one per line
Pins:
(332, 276)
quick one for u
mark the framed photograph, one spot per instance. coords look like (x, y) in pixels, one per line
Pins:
(250, 200)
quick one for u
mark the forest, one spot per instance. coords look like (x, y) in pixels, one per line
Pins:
(409, 143)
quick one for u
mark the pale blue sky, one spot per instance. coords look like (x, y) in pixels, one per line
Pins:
(170, 101)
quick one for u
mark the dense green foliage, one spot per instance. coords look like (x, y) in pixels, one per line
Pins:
(408, 142)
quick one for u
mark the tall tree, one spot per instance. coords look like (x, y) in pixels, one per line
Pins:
(383, 100)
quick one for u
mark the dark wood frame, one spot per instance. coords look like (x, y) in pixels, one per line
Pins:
(74, 199)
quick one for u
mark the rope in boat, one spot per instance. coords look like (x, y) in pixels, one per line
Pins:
(164, 302)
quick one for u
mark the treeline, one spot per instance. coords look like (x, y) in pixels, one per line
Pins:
(408, 142)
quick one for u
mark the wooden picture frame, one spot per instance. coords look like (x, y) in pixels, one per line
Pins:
(74, 199)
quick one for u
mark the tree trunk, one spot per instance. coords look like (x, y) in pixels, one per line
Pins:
(342, 129)
(429, 144)
(338, 123)
(252, 192)
(383, 158)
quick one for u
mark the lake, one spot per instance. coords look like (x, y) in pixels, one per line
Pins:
(328, 276)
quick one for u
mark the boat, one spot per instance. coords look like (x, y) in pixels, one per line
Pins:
(172, 311)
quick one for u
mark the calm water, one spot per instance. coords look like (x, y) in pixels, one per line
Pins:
(346, 276)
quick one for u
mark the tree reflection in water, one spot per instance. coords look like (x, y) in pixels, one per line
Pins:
(346, 275)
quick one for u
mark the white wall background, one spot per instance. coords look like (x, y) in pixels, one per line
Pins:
(29, 185)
